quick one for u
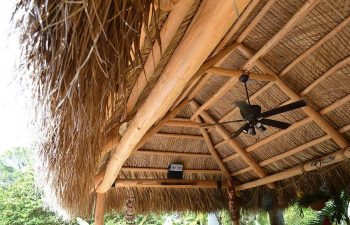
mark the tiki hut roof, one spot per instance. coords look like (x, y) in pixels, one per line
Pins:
(99, 67)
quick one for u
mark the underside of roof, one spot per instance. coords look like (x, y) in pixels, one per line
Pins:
(304, 46)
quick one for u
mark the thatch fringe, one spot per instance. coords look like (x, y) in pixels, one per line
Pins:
(79, 54)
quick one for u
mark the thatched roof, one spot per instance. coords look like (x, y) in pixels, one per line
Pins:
(84, 74)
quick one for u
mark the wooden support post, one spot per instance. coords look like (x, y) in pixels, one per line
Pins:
(297, 170)
(100, 208)
(212, 19)
(276, 217)
(315, 116)
(232, 203)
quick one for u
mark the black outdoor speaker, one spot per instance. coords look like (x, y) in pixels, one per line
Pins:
(175, 171)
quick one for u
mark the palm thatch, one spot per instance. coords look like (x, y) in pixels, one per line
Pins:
(84, 58)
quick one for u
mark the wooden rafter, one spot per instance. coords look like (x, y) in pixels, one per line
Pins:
(167, 183)
(212, 150)
(264, 49)
(300, 14)
(292, 151)
(238, 73)
(182, 123)
(324, 76)
(234, 145)
(165, 170)
(176, 74)
(318, 44)
(167, 33)
(294, 126)
(327, 160)
(180, 136)
(222, 52)
(172, 153)
(315, 116)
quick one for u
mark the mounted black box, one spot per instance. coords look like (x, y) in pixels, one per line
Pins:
(175, 171)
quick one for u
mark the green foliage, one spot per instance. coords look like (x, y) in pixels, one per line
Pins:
(20, 203)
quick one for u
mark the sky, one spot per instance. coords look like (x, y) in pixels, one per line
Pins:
(14, 118)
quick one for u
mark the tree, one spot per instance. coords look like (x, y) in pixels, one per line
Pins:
(20, 202)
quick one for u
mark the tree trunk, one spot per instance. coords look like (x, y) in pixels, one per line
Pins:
(276, 217)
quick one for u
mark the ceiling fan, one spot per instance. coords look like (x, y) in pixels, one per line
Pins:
(254, 118)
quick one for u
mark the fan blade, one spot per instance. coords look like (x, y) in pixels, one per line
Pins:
(243, 107)
(275, 123)
(239, 131)
(285, 108)
(207, 125)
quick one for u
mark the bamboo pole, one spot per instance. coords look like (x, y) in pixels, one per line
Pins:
(100, 208)
(297, 170)
(175, 76)
(168, 31)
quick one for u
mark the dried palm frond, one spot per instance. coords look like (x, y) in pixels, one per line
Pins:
(79, 54)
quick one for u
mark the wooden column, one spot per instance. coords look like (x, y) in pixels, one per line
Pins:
(232, 203)
(276, 217)
(100, 208)
(211, 19)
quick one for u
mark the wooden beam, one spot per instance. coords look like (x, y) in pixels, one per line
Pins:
(166, 183)
(305, 54)
(255, 21)
(211, 148)
(300, 14)
(165, 170)
(294, 126)
(100, 208)
(249, 64)
(212, 19)
(172, 153)
(238, 73)
(168, 31)
(237, 25)
(166, 5)
(297, 170)
(316, 116)
(183, 123)
(234, 145)
(271, 138)
(181, 136)
(292, 151)
(324, 76)
(318, 44)
(220, 54)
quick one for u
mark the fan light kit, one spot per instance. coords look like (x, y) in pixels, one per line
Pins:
(254, 118)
